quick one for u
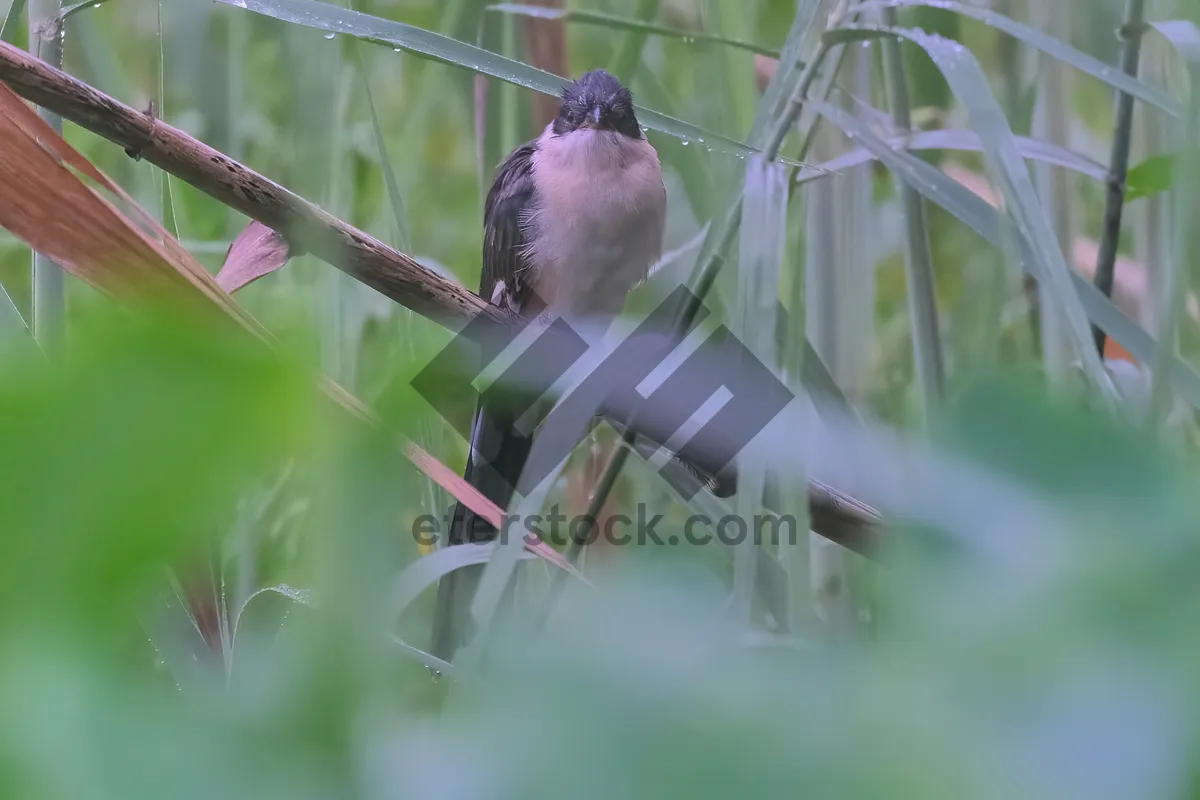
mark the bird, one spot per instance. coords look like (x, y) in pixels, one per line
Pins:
(573, 220)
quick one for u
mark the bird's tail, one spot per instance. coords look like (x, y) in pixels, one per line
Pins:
(498, 454)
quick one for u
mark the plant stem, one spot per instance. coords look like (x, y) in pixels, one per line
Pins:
(1119, 159)
(918, 260)
(45, 42)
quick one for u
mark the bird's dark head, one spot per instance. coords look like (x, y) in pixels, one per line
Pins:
(597, 101)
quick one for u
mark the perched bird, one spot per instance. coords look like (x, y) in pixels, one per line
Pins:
(573, 221)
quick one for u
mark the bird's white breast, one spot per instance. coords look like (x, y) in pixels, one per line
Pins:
(597, 222)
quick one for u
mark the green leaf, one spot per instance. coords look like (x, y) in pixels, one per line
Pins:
(975, 212)
(627, 56)
(1155, 174)
(435, 46)
(920, 281)
(763, 243)
(166, 198)
(72, 10)
(1047, 44)
(967, 141)
(1184, 36)
(970, 86)
(432, 662)
(176, 637)
(12, 20)
(427, 570)
(11, 322)
(783, 83)
(601, 19)
(403, 240)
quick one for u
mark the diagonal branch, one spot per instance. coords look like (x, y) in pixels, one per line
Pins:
(307, 227)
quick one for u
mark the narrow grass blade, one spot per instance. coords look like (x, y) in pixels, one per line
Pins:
(428, 570)
(49, 288)
(12, 20)
(1184, 36)
(1047, 44)
(72, 10)
(395, 198)
(975, 212)
(176, 637)
(11, 322)
(420, 656)
(300, 596)
(776, 115)
(962, 140)
(615, 22)
(1058, 188)
(166, 199)
(376, 30)
(762, 244)
(970, 86)
(791, 59)
(627, 56)
(824, 563)
(725, 73)
(918, 254)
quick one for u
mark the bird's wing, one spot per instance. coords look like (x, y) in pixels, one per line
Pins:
(508, 205)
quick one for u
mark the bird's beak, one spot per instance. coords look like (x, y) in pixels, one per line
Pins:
(593, 118)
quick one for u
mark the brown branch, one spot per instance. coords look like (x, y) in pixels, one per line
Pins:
(307, 227)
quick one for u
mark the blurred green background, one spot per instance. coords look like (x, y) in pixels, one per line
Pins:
(210, 584)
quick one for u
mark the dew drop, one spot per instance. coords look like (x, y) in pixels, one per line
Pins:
(700, 141)
(95, 5)
(395, 49)
(330, 35)
(435, 675)
(685, 142)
